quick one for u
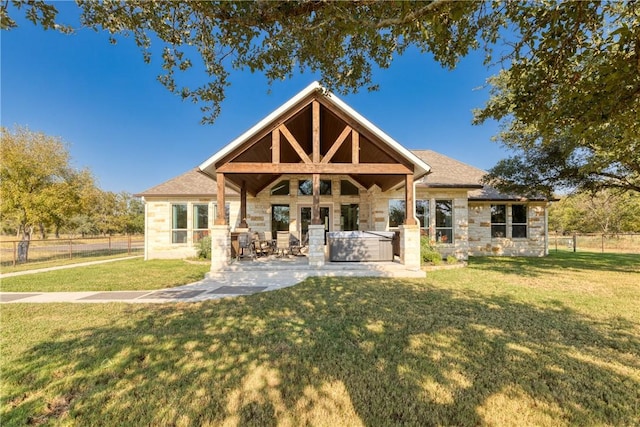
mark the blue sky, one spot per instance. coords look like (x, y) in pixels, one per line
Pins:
(132, 133)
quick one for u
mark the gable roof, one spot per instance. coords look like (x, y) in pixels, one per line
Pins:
(315, 90)
(191, 183)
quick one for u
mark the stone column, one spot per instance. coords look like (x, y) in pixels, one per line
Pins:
(410, 245)
(316, 245)
(220, 247)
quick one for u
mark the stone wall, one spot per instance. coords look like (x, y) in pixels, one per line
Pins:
(158, 230)
(482, 244)
(471, 221)
(459, 246)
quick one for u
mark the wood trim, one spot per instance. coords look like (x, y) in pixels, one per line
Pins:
(294, 143)
(382, 145)
(322, 168)
(315, 130)
(315, 208)
(275, 146)
(337, 144)
(409, 200)
(355, 147)
(243, 205)
(304, 103)
(220, 217)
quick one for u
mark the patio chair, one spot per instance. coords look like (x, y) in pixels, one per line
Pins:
(245, 246)
(296, 245)
(282, 242)
(261, 245)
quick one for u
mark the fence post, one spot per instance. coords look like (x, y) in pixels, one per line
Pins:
(14, 253)
(70, 248)
(575, 241)
(602, 242)
(128, 244)
(556, 240)
(109, 244)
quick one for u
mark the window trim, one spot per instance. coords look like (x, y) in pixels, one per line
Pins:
(197, 233)
(499, 224)
(302, 181)
(404, 212)
(447, 241)
(174, 229)
(524, 224)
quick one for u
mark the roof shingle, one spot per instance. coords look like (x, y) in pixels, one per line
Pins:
(191, 183)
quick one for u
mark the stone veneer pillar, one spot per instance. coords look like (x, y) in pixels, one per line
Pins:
(220, 247)
(410, 246)
(316, 245)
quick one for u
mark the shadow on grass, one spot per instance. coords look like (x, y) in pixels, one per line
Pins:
(590, 261)
(342, 352)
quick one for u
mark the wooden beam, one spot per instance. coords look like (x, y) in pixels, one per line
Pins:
(294, 144)
(275, 146)
(336, 145)
(220, 217)
(315, 130)
(311, 168)
(410, 200)
(304, 103)
(243, 205)
(355, 147)
(315, 208)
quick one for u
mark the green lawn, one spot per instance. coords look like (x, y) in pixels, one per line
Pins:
(132, 274)
(552, 341)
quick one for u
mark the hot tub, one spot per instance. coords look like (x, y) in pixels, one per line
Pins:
(354, 246)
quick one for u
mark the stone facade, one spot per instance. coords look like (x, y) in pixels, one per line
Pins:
(159, 232)
(471, 222)
(482, 244)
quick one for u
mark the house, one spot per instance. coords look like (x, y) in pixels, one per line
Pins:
(316, 165)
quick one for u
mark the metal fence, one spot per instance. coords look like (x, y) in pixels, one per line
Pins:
(611, 243)
(81, 247)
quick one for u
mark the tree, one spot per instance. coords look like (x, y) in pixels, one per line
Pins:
(607, 211)
(37, 183)
(570, 79)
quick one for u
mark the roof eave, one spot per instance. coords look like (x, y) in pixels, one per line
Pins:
(421, 168)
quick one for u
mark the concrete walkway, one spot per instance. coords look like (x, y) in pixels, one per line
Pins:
(240, 278)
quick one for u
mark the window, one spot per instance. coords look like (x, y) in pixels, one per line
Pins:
(305, 187)
(281, 188)
(422, 212)
(279, 217)
(179, 223)
(498, 221)
(200, 222)
(519, 221)
(397, 212)
(349, 217)
(227, 208)
(444, 221)
(348, 189)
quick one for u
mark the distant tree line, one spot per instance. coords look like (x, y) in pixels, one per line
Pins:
(606, 211)
(42, 194)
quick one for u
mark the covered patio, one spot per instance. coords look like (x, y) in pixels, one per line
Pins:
(314, 136)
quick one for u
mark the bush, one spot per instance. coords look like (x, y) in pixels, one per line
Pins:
(428, 252)
(452, 259)
(204, 248)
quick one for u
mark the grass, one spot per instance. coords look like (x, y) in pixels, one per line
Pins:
(131, 274)
(36, 265)
(553, 341)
